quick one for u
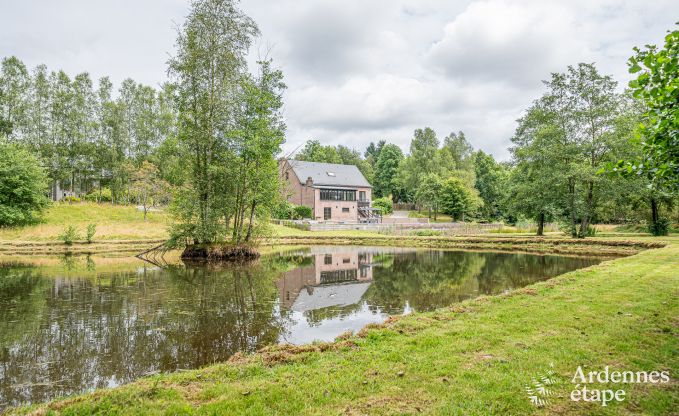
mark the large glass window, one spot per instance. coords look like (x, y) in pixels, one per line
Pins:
(338, 195)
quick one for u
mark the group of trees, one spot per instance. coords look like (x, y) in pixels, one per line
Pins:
(208, 140)
(448, 177)
(230, 127)
(85, 138)
(583, 152)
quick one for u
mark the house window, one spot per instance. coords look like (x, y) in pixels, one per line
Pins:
(345, 209)
(361, 196)
(327, 259)
(345, 261)
(338, 195)
(327, 213)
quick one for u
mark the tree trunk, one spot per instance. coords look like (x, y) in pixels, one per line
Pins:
(589, 208)
(654, 210)
(541, 224)
(252, 220)
(571, 192)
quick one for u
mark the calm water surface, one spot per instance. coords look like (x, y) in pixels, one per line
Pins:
(77, 323)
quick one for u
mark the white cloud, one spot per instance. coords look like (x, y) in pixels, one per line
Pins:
(359, 71)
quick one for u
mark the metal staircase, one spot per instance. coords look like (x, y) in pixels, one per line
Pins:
(367, 213)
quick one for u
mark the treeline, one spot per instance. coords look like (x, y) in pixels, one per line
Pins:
(206, 142)
(89, 137)
(562, 152)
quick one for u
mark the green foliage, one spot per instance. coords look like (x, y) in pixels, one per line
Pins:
(386, 170)
(457, 200)
(69, 235)
(427, 233)
(71, 199)
(99, 195)
(288, 211)
(429, 192)
(657, 86)
(22, 186)
(660, 227)
(384, 204)
(282, 210)
(491, 182)
(300, 212)
(230, 130)
(91, 230)
(565, 138)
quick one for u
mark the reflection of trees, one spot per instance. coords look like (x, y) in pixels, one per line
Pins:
(424, 279)
(503, 271)
(21, 303)
(93, 333)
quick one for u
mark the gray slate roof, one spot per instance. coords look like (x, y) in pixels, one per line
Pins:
(345, 175)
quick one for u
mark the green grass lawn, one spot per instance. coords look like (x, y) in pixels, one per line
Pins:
(474, 358)
(113, 223)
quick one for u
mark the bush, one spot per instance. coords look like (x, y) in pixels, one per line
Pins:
(71, 199)
(282, 211)
(300, 212)
(69, 235)
(91, 230)
(427, 233)
(22, 186)
(384, 204)
(660, 227)
(94, 196)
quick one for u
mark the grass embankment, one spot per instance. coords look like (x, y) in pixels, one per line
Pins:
(473, 358)
(561, 245)
(122, 229)
(113, 223)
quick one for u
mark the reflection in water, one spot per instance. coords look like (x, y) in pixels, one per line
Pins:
(81, 323)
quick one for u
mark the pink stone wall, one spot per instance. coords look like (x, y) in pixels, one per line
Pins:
(293, 191)
(336, 206)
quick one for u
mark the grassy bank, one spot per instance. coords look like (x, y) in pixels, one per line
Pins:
(123, 230)
(473, 358)
(113, 223)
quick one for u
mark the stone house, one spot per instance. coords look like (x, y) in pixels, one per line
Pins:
(333, 192)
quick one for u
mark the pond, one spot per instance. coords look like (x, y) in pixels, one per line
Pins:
(72, 324)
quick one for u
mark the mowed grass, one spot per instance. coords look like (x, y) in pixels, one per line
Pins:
(474, 358)
(113, 223)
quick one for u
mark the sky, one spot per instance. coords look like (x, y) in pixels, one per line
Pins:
(362, 70)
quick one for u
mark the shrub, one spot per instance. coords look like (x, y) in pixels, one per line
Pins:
(300, 212)
(71, 199)
(282, 211)
(385, 204)
(22, 186)
(660, 227)
(91, 230)
(427, 233)
(104, 196)
(69, 235)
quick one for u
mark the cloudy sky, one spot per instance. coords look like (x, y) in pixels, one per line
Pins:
(362, 70)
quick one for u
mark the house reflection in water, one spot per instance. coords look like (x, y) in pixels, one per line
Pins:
(335, 278)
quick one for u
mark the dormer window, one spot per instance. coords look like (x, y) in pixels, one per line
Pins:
(330, 173)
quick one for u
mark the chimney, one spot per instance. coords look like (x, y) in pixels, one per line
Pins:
(309, 181)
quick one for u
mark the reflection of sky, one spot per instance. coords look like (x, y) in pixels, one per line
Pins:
(299, 331)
